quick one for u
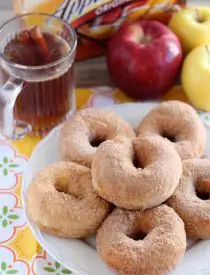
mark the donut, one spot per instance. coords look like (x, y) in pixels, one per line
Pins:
(136, 174)
(152, 242)
(81, 135)
(191, 199)
(61, 201)
(179, 123)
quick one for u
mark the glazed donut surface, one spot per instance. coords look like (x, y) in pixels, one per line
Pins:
(191, 199)
(136, 174)
(82, 133)
(178, 122)
(61, 201)
(142, 243)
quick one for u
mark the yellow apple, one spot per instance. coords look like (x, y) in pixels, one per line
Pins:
(195, 77)
(192, 26)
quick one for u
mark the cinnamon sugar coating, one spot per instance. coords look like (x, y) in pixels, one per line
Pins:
(159, 252)
(87, 127)
(191, 199)
(177, 121)
(137, 174)
(61, 201)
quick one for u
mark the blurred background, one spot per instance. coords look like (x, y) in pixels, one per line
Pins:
(7, 4)
(98, 66)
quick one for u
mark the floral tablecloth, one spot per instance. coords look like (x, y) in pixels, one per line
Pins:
(19, 252)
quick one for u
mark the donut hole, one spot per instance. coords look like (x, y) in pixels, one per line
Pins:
(202, 189)
(202, 195)
(138, 235)
(96, 141)
(63, 185)
(137, 162)
(168, 136)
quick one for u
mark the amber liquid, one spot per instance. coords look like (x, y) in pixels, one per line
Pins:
(45, 103)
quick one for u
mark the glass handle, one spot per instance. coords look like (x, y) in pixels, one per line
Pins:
(9, 127)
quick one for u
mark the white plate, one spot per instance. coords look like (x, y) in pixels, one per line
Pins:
(80, 255)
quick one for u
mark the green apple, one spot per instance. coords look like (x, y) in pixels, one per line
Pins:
(195, 77)
(192, 26)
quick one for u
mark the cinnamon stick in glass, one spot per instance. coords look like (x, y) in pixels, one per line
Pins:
(38, 38)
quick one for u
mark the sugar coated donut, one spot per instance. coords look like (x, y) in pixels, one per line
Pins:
(152, 242)
(136, 174)
(61, 201)
(82, 134)
(191, 199)
(178, 122)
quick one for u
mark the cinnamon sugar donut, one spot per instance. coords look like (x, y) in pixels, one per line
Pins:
(191, 199)
(178, 122)
(61, 201)
(136, 174)
(152, 242)
(81, 135)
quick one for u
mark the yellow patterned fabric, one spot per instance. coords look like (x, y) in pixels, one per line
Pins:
(19, 251)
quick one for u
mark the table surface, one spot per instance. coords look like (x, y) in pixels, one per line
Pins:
(92, 72)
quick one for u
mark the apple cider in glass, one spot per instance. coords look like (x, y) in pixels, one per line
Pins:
(41, 103)
(42, 61)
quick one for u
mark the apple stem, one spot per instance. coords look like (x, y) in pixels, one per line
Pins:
(146, 40)
(208, 50)
(198, 16)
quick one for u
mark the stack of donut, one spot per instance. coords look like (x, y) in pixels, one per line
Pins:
(142, 192)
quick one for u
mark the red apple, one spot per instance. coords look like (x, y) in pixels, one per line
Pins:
(144, 59)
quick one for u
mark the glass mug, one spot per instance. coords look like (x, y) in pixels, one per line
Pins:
(35, 98)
